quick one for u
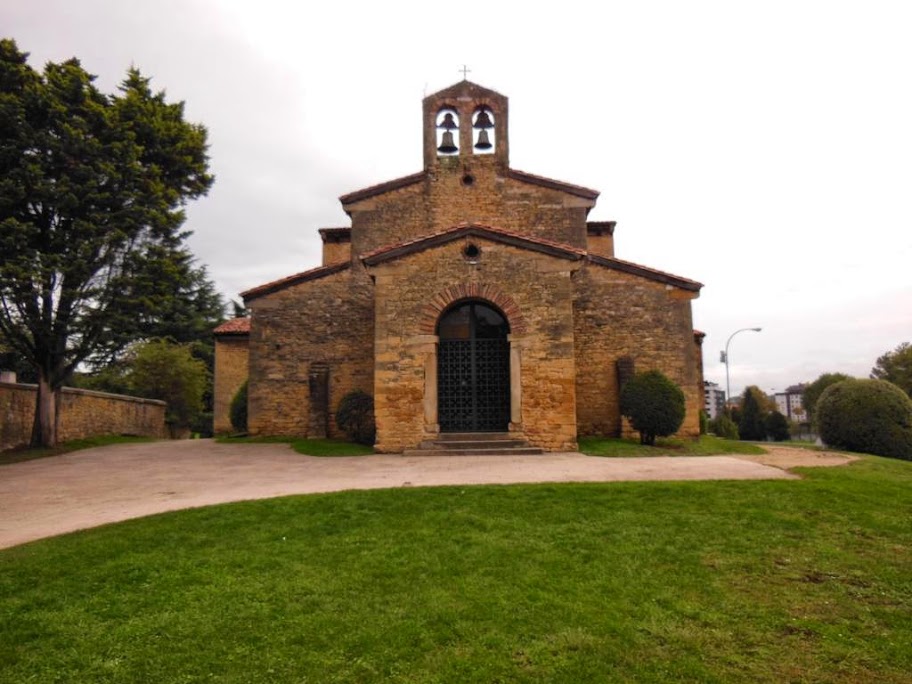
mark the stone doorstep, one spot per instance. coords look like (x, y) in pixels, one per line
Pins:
(512, 451)
(475, 444)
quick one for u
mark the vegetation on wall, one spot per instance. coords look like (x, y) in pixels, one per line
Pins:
(238, 409)
(653, 404)
(355, 417)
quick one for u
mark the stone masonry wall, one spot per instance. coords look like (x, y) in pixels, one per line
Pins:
(617, 315)
(541, 289)
(82, 414)
(445, 199)
(328, 320)
(231, 369)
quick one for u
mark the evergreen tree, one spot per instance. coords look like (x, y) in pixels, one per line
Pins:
(752, 426)
(896, 367)
(91, 194)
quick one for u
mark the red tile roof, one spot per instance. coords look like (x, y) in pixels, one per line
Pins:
(399, 249)
(234, 326)
(380, 188)
(645, 272)
(577, 190)
(303, 277)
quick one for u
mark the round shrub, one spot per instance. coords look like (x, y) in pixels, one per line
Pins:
(355, 417)
(870, 416)
(724, 427)
(239, 409)
(653, 404)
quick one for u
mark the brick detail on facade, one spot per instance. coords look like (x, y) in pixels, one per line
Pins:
(441, 301)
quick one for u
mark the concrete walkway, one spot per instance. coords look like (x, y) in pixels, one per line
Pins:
(51, 496)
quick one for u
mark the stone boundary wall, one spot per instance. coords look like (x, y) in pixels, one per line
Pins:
(81, 414)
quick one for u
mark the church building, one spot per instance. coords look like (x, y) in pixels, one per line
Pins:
(469, 297)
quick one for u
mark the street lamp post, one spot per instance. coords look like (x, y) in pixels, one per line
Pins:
(725, 361)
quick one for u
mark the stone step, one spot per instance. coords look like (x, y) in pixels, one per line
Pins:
(474, 444)
(513, 451)
(471, 436)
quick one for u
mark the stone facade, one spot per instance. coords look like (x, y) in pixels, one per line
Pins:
(232, 351)
(81, 414)
(468, 228)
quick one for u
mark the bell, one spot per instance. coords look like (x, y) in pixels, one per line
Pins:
(446, 144)
(483, 121)
(483, 142)
(448, 122)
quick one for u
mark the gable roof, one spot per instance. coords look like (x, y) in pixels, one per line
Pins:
(400, 249)
(382, 188)
(297, 278)
(645, 272)
(234, 326)
(463, 87)
(550, 183)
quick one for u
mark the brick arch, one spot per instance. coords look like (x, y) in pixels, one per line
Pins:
(442, 300)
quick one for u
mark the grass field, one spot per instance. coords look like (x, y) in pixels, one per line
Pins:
(308, 447)
(768, 581)
(706, 445)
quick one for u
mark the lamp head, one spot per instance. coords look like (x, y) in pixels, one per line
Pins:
(756, 329)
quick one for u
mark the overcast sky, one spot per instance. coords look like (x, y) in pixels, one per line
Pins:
(764, 149)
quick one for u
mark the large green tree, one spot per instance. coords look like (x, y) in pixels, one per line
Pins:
(755, 407)
(813, 391)
(896, 367)
(92, 189)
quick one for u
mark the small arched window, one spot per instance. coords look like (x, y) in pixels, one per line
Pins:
(447, 123)
(483, 130)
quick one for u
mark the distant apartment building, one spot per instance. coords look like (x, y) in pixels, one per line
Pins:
(790, 403)
(713, 399)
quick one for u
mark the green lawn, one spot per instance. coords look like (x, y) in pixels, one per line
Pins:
(768, 581)
(706, 445)
(309, 447)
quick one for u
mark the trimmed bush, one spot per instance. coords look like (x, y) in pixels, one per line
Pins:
(724, 427)
(777, 427)
(239, 409)
(355, 417)
(869, 416)
(653, 404)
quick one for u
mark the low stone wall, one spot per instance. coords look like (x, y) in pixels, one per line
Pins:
(82, 413)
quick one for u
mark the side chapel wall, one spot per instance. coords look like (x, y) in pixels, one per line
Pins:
(328, 320)
(619, 315)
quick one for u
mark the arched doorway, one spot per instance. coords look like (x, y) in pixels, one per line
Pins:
(473, 369)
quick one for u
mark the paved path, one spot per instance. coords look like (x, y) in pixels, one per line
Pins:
(50, 496)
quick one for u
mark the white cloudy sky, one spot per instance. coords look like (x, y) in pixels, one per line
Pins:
(762, 148)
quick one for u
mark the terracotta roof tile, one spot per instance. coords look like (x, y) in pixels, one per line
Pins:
(380, 188)
(645, 272)
(577, 190)
(234, 326)
(304, 276)
(393, 251)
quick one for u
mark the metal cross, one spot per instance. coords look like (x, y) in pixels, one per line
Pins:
(465, 70)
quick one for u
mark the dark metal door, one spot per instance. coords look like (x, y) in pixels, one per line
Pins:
(473, 378)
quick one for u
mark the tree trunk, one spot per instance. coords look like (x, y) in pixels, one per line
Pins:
(44, 429)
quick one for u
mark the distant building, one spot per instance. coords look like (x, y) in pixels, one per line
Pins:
(713, 399)
(791, 403)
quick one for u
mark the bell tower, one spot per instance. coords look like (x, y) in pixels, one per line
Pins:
(465, 122)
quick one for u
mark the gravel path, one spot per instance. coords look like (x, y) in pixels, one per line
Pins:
(51, 496)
